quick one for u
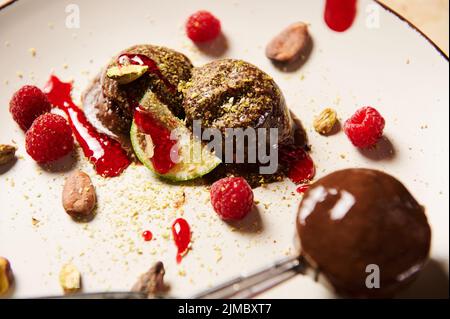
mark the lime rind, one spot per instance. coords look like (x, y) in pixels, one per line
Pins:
(195, 160)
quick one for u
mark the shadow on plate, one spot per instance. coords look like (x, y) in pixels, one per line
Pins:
(383, 150)
(190, 183)
(298, 63)
(300, 136)
(432, 283)
(85, 219)
(336, 129)
(215, 48)
(252, 223)
(63, 165)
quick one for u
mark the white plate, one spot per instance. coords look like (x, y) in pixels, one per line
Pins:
(389, 66)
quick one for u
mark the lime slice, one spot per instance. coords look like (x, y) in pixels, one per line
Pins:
(194, 159)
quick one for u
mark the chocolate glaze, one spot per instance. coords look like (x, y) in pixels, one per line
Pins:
(356, 217)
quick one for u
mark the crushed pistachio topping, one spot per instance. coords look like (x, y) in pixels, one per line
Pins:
(127, 73)
(33, 52)
(230, 93)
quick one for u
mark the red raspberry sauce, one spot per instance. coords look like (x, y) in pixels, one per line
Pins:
(302, 170)
(140, 59)
(147, 235)
(182, 236)
(107, 155)
(163, 145)
(302, 188)
(340, 14)
(147, 122)
(300, 165)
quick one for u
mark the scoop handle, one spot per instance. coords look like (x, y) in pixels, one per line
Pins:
(243, 286)
(250, 285)
(102, 295)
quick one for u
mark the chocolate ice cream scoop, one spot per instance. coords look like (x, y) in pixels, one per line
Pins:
(355, 221)
(113, 100)
(236, 94)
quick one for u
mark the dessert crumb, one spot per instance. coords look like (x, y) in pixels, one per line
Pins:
(32, 52)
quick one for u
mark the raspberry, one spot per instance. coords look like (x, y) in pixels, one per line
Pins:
(49, 138)
(202, 26)
(27, 104)
(365, 127)
(232, 198)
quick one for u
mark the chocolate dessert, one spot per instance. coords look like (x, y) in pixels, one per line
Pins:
(354, 218)
(113, 101)
(224, 94)
(236, 94)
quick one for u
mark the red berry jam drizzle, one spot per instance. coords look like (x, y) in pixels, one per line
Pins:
(148, 123)
(302, 188)
(164, 148)
(182, 236)
(140, 59)
(299, 164)
(107, 155)
(147, 235)
(340, 14)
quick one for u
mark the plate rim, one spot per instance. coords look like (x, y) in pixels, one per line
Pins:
(375, 1)
(382, 5)
(412, 26)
